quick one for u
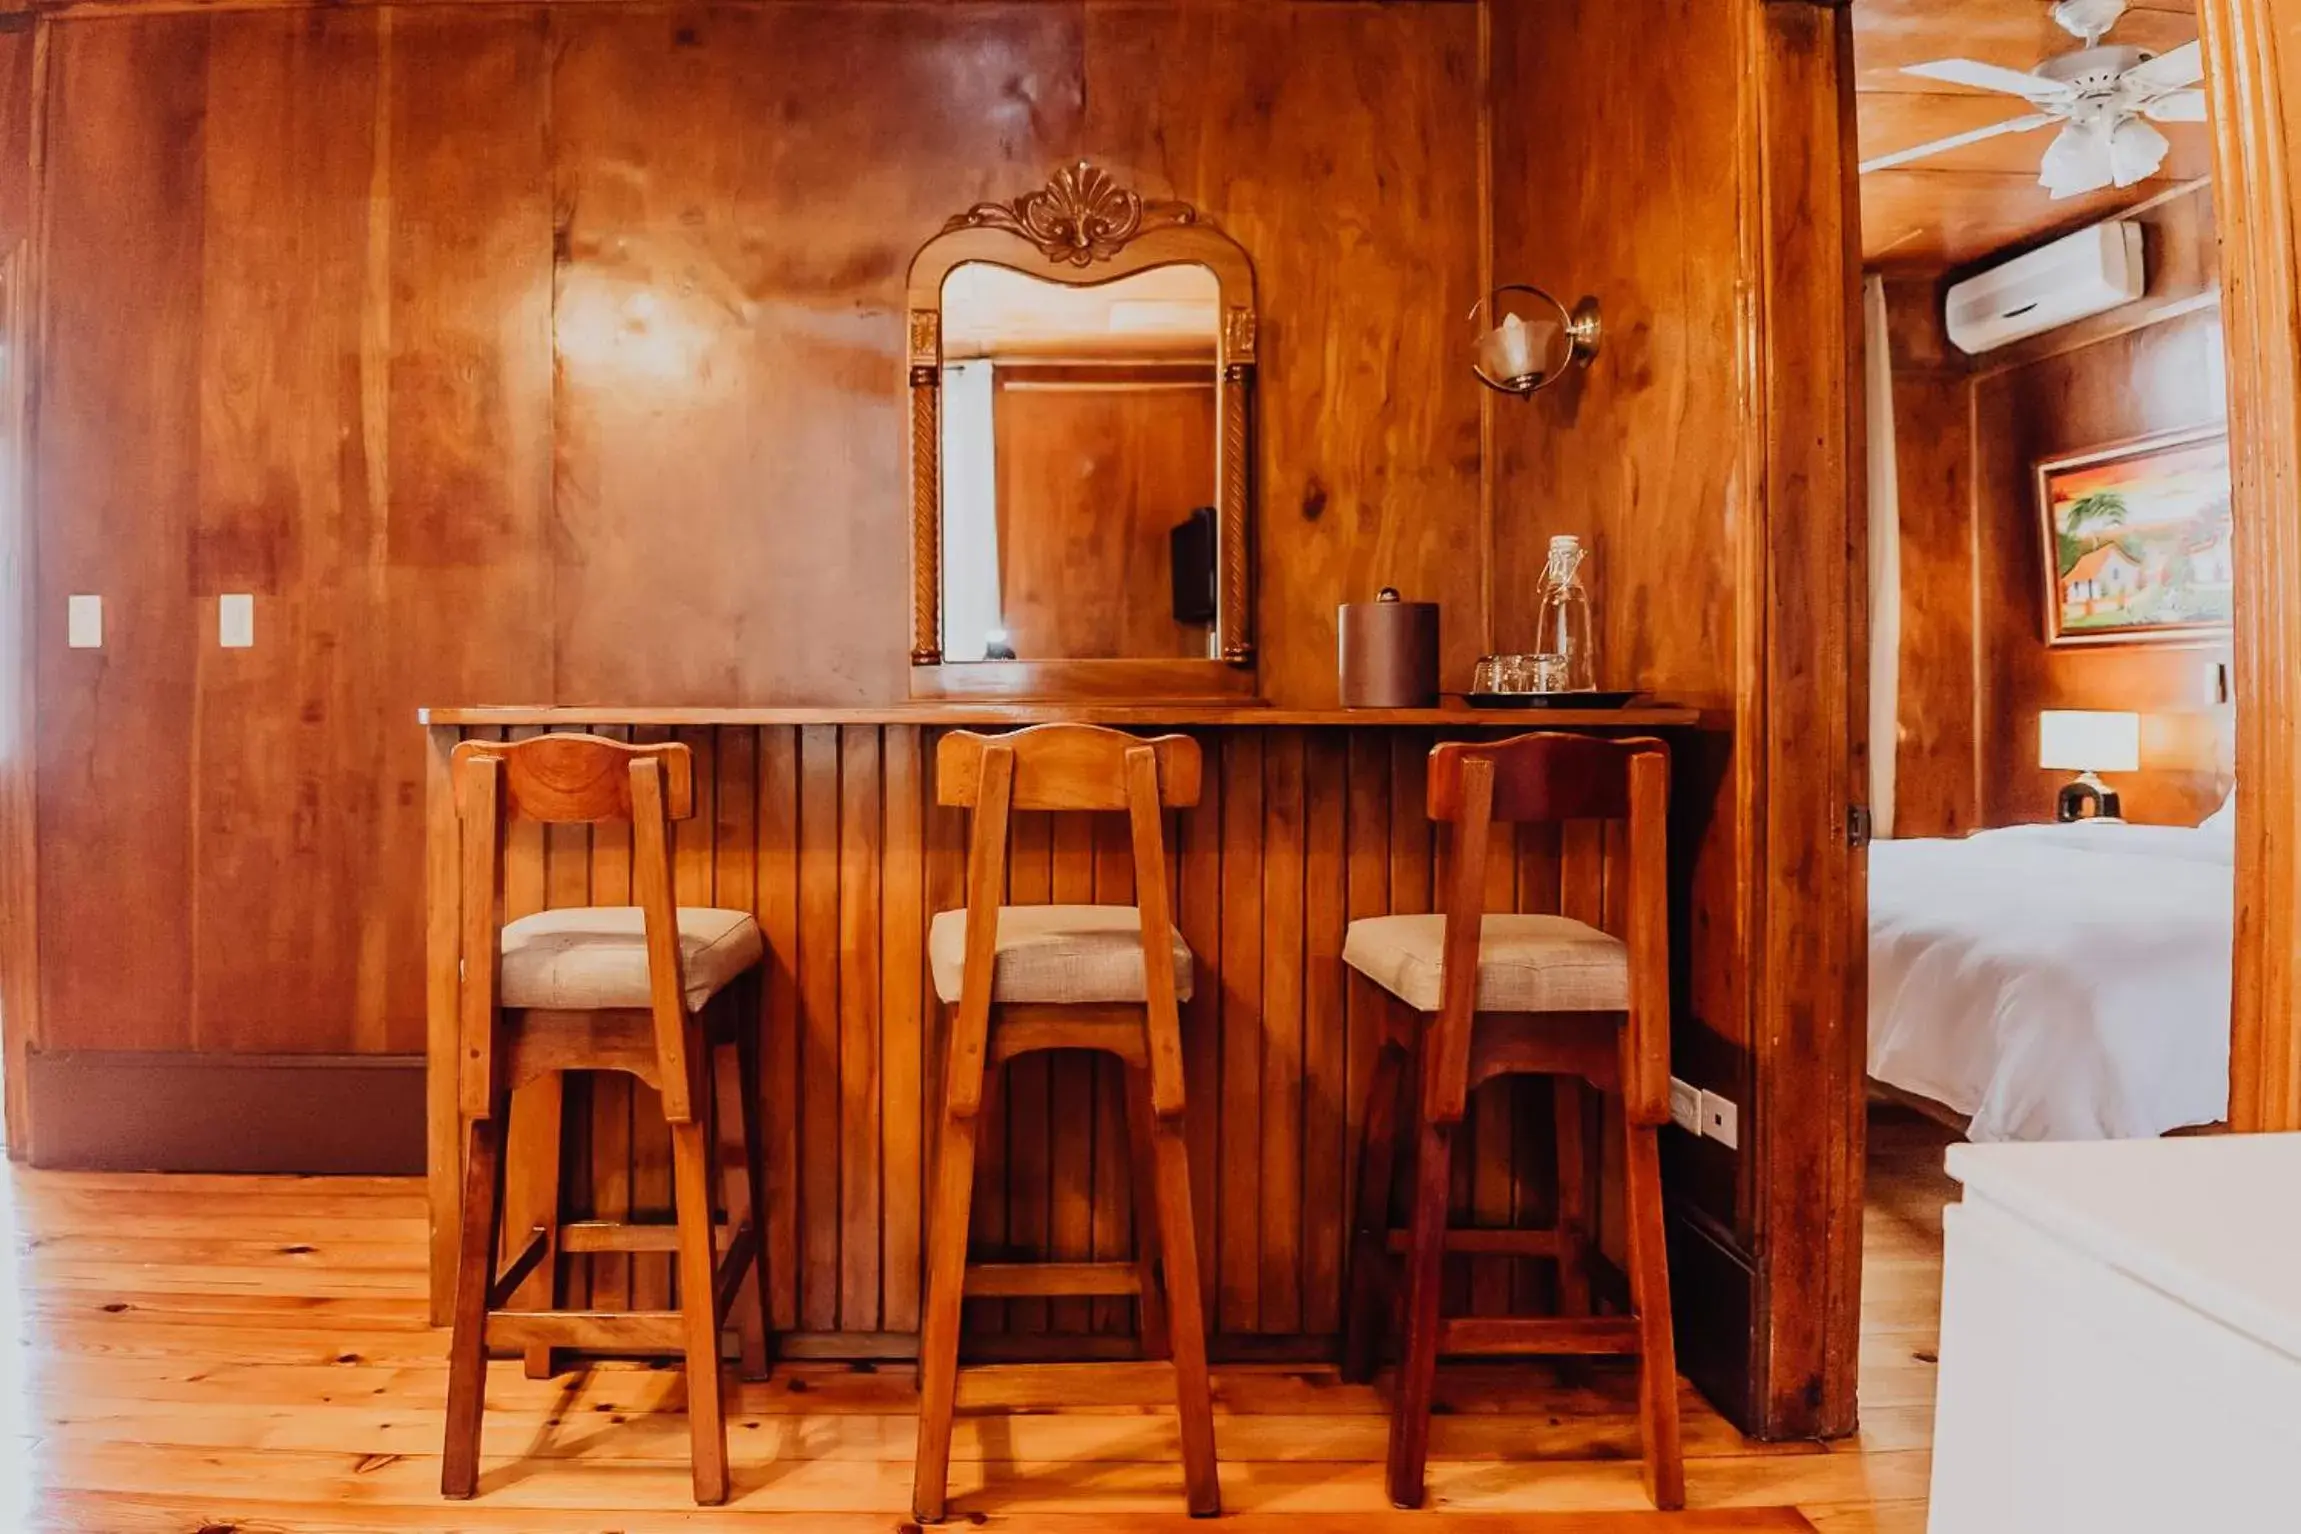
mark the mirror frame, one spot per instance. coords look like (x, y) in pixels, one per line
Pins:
(1083, 229)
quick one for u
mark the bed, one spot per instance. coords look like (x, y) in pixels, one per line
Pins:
(2065, 982)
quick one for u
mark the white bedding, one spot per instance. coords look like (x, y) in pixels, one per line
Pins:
(2056, 982)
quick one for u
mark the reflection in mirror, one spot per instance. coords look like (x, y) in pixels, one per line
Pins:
(1078, 465)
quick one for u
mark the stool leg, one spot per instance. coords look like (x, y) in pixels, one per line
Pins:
(1568, 1098)
(531, 1199)
(1186, 1318)
(1142, 1164)
(1365, 1309)
(474, 1276)
(748, 1047)
(1418, 1364)
(947, 1220)
(735, 1068)
(706, 1407)
(1650, 1293)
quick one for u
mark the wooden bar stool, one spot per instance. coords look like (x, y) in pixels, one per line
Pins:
(1521, 995)
(666, 994)
(1029, 978)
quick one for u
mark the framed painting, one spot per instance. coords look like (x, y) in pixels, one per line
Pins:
(2136, 541)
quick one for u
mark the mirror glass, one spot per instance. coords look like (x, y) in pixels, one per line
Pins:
(1078, 460)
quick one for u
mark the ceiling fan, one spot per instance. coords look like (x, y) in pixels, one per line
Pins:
(2105, 96)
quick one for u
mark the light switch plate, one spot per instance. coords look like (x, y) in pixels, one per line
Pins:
(236, 620)
(1686, 1106)
(84, 622)
(1721, 1120)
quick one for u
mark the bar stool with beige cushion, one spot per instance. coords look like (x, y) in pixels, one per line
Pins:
(1026, 978)
(1508, 995)
(667, 994)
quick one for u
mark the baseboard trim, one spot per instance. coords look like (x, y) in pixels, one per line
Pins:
(134, 1111)
(1714, 1287)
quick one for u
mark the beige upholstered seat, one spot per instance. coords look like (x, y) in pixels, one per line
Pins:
(1525, 963)
(585, 958)
(1056, 953)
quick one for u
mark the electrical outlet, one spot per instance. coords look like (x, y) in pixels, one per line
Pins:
(84, 622)
(236, 620)
(1721, 1120)
(1686, 1106)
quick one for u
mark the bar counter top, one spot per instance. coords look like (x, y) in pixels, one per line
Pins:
(1638, 715)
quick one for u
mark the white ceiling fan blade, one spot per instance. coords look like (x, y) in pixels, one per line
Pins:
(1990, 77)
(2169, 71)
(2180, 107)
(1958, 141)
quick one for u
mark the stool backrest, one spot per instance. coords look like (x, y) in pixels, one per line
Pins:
(1552, 777)
(568, 779)
(1065, 767)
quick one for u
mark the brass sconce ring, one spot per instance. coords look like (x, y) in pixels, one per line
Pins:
(1581, 325)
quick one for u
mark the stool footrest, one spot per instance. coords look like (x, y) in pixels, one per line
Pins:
(1008, 1387)
(592, 1331)
(1487, 1241)
(626, 1236)
(1007, 1280)
(1471, 1335)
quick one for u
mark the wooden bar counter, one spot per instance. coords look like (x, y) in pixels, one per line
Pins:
(823, 822)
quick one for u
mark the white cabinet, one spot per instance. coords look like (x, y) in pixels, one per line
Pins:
(2121, 1339)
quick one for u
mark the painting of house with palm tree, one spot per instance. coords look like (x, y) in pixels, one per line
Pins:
(2137, 544)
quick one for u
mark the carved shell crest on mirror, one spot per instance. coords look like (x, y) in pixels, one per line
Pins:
(1081, 216)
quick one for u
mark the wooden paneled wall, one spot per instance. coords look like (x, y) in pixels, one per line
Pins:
(2156, 379)
(1641, 455)
(533, 353)
(832, 836)
(527, 354)
(1975, 667)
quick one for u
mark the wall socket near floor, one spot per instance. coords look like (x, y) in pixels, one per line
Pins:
(1686, 1106)
(1705, 1113)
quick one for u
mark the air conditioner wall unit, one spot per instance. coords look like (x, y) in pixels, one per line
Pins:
(2087, 273)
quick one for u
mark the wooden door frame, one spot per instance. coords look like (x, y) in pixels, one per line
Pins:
(1803, 455)
(2247, 75)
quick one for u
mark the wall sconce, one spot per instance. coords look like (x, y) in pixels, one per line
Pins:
(1527, 340)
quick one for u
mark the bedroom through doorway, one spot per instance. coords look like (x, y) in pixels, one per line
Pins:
(2053, 571)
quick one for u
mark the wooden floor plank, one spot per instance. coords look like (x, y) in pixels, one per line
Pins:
(255, 1353)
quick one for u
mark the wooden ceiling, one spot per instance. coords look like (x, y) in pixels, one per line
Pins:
(1956, 208)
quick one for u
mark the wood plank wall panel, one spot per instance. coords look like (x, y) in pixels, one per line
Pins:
(307, 360)
(117, 490)
(833, 828)
(1339, 144)
(1936, 782)
(552, 355)
(2158, 379)
(1975, 668)
(1643, 454)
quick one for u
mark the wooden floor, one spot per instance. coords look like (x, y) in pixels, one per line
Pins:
(221, 1354)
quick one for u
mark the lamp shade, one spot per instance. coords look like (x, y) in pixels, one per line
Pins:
(2086, 740)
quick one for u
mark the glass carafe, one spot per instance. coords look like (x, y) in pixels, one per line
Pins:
(1562, 624)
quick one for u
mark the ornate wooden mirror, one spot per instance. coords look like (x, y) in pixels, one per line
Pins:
(1081, 370)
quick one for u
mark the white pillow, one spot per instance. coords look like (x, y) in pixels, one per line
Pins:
(2224, 819)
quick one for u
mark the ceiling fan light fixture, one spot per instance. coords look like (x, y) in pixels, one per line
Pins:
(2136, 150)
(2078, 160)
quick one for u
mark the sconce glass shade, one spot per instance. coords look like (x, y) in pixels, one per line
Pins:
(1528, 340)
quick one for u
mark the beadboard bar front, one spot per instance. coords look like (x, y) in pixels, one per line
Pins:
(823, 823)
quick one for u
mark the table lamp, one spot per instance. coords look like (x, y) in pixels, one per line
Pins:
(2088, 742)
